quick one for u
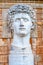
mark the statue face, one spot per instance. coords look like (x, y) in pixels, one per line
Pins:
(22, 24)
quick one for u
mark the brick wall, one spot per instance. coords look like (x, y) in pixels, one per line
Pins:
(36, 40)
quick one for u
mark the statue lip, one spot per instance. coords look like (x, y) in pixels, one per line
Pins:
(22, 28)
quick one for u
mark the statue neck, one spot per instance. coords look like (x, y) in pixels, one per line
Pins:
(21, 41)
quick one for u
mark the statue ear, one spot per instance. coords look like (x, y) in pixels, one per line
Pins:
(12, 27)
(32, 26)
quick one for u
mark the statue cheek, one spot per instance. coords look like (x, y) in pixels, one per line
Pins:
(29, 27)
(16, 29)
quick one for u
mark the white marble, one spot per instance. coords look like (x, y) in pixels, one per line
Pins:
(20, 51)
(21, 57)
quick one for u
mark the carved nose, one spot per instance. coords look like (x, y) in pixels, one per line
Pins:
(22, 22)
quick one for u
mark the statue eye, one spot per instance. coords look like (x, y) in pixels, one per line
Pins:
(17, 20)
(26, 20)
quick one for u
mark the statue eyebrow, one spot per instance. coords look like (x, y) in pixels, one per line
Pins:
(22, 18)
(25, 19)
(18, 18)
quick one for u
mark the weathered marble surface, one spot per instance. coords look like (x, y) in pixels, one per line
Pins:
(21, 19)
(18, 56)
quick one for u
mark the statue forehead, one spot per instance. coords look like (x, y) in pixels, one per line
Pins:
(21, 15)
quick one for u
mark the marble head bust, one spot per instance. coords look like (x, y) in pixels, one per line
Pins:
(21, 19)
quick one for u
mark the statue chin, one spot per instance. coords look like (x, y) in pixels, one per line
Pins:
(22, 34)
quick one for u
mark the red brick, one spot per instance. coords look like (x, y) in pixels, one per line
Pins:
(3, 50)
(0, 11)
(3, 58)
(1, 22)
(1, 28)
